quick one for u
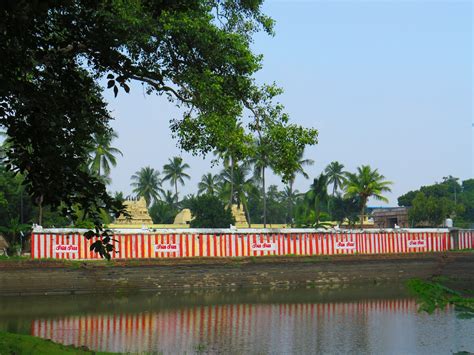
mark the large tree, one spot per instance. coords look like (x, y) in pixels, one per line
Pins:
(55, 54)
(174, 173)
(278, 145)
(364, 184)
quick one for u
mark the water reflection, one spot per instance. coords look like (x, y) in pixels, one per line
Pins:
(220, 323)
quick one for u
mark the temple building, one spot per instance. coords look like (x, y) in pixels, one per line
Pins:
(138, 213)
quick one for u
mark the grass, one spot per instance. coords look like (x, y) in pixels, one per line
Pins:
(26, 344)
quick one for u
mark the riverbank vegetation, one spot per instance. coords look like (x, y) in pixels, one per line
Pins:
(26, 344)
(440, 292)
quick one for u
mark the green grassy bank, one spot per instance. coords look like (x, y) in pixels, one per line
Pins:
(26, 344)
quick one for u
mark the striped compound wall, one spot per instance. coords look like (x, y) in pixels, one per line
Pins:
(136, 244)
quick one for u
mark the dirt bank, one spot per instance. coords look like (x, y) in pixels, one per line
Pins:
(22, 277)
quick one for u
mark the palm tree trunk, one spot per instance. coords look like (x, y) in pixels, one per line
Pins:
(264, 199)
(176, 191)
(231, 181)
(40, 211)
(362, 214)
(290, 207)
(244, 205)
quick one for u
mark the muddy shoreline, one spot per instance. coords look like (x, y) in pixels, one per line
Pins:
(35, 277)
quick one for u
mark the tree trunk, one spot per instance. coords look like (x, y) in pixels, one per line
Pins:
(264, 199)
(244, 205)
(176, 191)
(231, 181)
(290, 207)
(40, 211)
(362, 214)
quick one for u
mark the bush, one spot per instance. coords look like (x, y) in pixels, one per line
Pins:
(210, 212)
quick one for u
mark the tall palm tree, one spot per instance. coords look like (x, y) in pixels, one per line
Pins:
(168, 197)
(208, 184)
(290, 196)
(231, 154)
(259, 161)
(336, 175)
(317, 196)
(103, 154)
(364, 184)
(174, 172)
(300, 170)
(147, 183)
(242, 186)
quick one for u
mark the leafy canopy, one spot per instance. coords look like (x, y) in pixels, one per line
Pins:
(54, 53)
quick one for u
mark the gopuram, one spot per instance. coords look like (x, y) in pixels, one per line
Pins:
(138, 213)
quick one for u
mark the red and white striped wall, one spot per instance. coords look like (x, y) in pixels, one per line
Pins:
(137, 244)
(466, 239)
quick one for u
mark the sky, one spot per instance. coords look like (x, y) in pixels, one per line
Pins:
(386, 83)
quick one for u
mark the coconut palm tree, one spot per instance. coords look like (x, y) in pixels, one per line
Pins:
(364, 184)
(147, 183)
(208, 184)
(168, 197)
(242, 186)
(103, 154)
(336, 175)
(174, 172)
(317, 196)
(259, 161)
(301, 164)
(290, 196)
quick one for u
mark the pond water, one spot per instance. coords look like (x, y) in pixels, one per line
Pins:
(377, 320)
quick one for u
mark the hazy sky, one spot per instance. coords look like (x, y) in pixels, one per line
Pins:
(386, 83)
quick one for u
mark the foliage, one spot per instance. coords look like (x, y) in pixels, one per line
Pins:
(432, 203)
(209, 184)
(174, 172)
(433, 295)
(313, 210)
(54, 52)
(344, 209)
(280, 144)
(103, 154)
(163, 212)
(336, 175)
(210, 212)
(147, 183)
(431, 211)
(365, 184)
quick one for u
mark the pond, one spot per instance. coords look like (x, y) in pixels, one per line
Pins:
(355, 319)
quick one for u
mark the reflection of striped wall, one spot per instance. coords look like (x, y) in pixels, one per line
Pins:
(144, 245)
(178, 331)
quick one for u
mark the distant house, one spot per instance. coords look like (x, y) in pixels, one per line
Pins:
(388, 217)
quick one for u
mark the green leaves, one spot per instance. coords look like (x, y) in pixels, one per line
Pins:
(433, 295)
(102, 245)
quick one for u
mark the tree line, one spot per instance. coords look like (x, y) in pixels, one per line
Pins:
(430, 205)
(241, 183)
